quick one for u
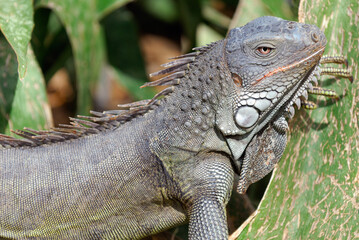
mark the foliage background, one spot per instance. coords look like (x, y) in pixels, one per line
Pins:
(59, 58)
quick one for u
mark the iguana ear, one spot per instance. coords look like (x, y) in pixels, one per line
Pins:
(262, 153)
(237, 138)
(225, 121)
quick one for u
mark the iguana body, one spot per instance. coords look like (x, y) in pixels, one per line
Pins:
(161, 163)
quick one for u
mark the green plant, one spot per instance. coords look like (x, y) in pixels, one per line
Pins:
(88, 37)
(313, 193)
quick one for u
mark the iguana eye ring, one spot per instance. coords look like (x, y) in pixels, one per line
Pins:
(264, 50)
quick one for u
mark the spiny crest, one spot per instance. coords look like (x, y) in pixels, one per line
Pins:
(78, 127)
(86, 125)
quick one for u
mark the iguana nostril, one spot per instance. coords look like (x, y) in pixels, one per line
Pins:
(315, 37)
(291, 25)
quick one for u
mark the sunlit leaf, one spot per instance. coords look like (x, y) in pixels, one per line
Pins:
(163, 9)
(279, 8)
(248, 10)
(122, 40)
(22, 102)
(16, 23)
(206, 35)
(104, 7)
(83, 29)
(314, 191)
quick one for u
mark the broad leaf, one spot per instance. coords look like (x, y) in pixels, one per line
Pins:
(206, 35)
(83, 29)
(165, 10)
(248, 10)
(122, 40)
(190, 17)
(314, 190)
(16, 23)
(23, 102)
(104, 7)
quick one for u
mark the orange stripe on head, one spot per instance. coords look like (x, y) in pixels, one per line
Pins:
(284, 68)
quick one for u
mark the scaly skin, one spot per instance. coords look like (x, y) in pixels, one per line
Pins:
(175, 162)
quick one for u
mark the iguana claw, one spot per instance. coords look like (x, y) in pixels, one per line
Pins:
(337, 72)
(324, 92)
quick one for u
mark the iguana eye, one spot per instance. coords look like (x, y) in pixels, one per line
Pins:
(264, 50)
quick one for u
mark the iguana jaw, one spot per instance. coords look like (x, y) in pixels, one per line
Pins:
(238, 143)
(268, 95)
(302, 93)
(282, 106)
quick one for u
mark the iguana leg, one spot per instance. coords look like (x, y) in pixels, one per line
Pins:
(262, 153)
(208, 220)
(209, 187)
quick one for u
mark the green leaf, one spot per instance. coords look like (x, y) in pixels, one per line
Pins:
(190, 16)
(124, 53)
(215, 17)
(133, 84)
(104, 7)
(16, 23)
(279, 8)
(86, 37)
(314, 191)
(50, 43)
(163, 9)
(206, 35)
(23, 102)
(248, 10)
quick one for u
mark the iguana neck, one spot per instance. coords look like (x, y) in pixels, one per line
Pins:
(189, 113)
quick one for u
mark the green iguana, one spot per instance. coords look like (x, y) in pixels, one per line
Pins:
(156, 164)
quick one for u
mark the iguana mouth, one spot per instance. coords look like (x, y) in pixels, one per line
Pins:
(290, 66)
(298, 91)
(302, 93)
(303, 86)
(280, 104)
(257, 107)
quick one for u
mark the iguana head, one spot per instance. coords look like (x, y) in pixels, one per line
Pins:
(269, 59)
(271, 62)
